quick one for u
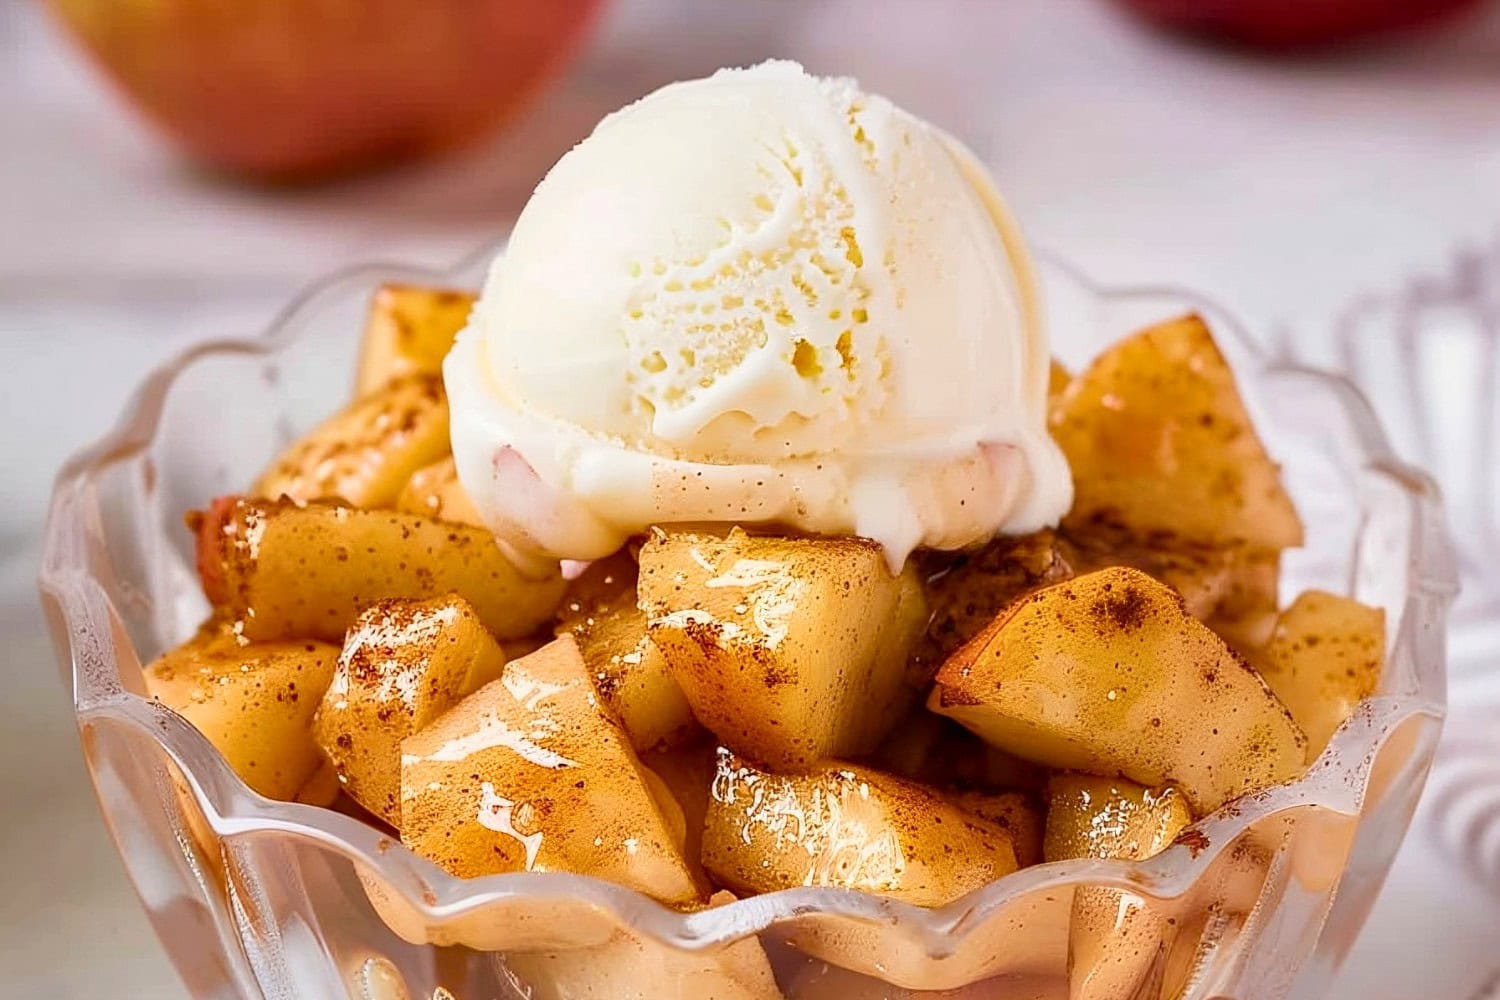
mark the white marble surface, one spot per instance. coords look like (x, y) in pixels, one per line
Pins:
(1285, 189)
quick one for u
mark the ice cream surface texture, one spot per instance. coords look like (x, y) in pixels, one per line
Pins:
(759, 297)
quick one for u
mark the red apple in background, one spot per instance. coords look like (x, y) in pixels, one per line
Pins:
(294, 89)
(1294, 24)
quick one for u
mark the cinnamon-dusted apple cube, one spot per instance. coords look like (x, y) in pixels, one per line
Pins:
(1016, 813)
(630, 672)
(1325, 657)
(628, 967)
(286, 570)
(365, 454)
(1231, 590)
(1115, 936)
(404, 663)
(434, 491)
(790, 650)
(967, 592)
(1093, 817)
(936, 751)
(846, 826)
(409, 332)
(688, 774)
(1161, 446)
(532, 773)
(1108, 673)
(254, 702)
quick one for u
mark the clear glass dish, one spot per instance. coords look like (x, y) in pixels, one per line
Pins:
(1427, 353)
(257, 898)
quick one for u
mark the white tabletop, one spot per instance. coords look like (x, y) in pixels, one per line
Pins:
(1284, 189)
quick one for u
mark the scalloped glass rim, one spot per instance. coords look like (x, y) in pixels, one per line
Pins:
(94, 647)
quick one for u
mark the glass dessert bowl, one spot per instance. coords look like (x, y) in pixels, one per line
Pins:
(259, 897)
(312, 892)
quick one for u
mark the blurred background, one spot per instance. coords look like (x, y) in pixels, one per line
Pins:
(1328, 171)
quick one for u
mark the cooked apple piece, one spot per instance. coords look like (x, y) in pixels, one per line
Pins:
(322, 789)
(632, 676)
(688, 774)
(1231, 590)
(965, 594)
(409, 332)
(1115, 936)
(1015, 813)
(1162, 448)
(282, 569)
(254, 701)
(527, 644)
(935, 751)
(629, 968)
(1325, 657)
(531, 773)
(1108, 673)
(790, 650)
(1093, 817)
(366, 454)
(846, 826)
(434, 491)
(404, 663)
(1058, 379)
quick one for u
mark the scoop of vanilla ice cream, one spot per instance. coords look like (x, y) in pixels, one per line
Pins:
(758, 297)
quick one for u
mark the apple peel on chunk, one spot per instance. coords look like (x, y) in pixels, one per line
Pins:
(1108, 674)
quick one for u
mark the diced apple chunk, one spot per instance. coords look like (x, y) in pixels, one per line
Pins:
(630, 968)
(531, 773)
(1231, 590)
(410, 331)
(287, 570)
(404, 663)
(1016, 813)
(846, 826)
(434, 491)
(632, 676)
(790, 650)
(1115, 936)
(254, 702)
(1107, 673)
(1093, 817)
(965, 594)
(688, 774)
(939, 752)
(366, 454)
(1325, 657)
(1162, 448)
